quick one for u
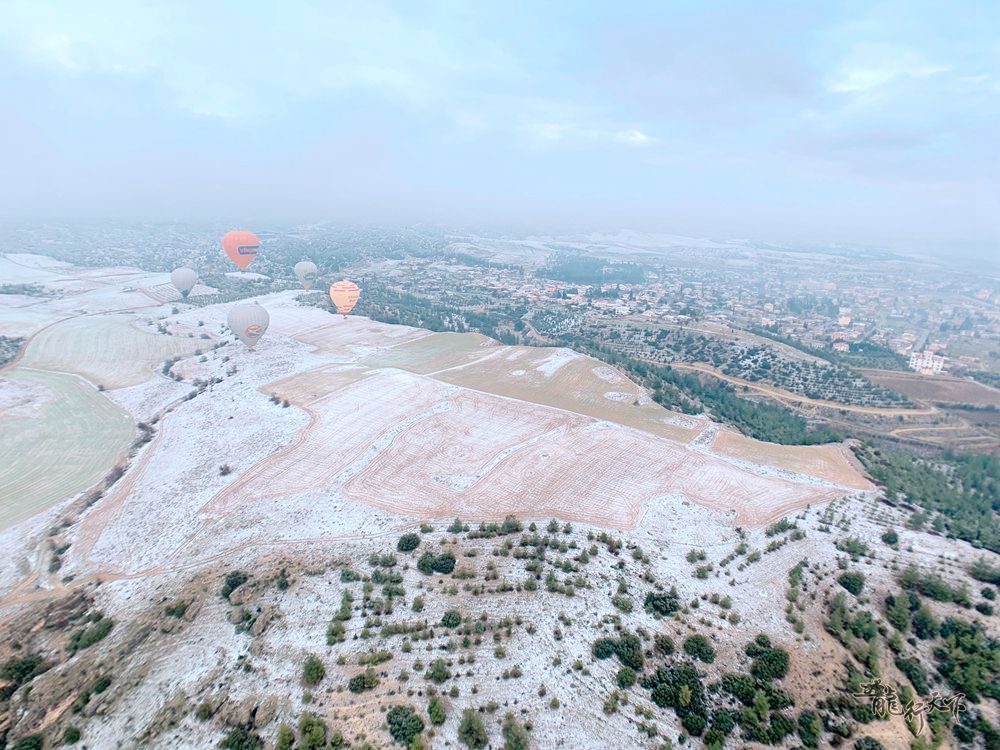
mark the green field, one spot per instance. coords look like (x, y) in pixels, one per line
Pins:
(68, 445)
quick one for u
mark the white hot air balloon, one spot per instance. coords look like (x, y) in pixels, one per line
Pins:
(184, 279)
(248, 322)
(305, 271)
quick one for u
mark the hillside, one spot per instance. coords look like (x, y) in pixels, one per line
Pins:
(224, 540)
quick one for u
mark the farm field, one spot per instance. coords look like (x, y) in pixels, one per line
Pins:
(937, 388)
(109, 350)
(67, 443)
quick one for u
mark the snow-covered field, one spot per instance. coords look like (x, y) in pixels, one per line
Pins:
(417, 425)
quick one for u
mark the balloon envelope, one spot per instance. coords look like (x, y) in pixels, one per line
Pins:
(184, 279)
(248, 322)
(344, 295)
(305, 271)
(241, 247)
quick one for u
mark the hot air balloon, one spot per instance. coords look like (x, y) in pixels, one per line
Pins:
(305, 270)
(241, 247)
(344, 295)
(248, 322)
(184, 279)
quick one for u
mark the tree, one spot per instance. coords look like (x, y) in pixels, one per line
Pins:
(313, 671)
(698, 647)
(364, 681)
(515, 736)
(286, 738)
(664, 644)
(852, 581)
(312, 732)
(435, 711)
(238, 739)
(629, 650)
(810, 728)
(471, 730)
(438, 671)
(404, 724)
(408, 542)
(444, 563)
(625, 678)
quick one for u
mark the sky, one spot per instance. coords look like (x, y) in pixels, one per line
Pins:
(865, 122)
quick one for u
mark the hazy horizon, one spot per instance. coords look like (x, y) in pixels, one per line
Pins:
(857, 123)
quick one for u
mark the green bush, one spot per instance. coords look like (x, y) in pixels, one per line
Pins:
(312, 732)
(286, 738)
(514, 734)
(625, 678)
(435, 711)
(31, 742)
(605, 648)
(404, 724)
(408, 542)
(242, 739)
(698, 647)
(471, 730)
(451, 619)
(810, 728)
(852, 581)
(87, 637)
(629, 651)
(438, 671)
(313, 671)
(663, 604)
(71, 736)
(364, 681)
(664, 644)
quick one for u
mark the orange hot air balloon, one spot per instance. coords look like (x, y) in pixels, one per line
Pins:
(344, 295)
(241, 247)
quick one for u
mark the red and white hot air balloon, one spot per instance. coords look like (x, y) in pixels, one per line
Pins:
(241, 247)
(344, 295)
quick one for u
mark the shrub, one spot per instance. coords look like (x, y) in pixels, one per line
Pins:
(891, 538)
(444, 563)
(515, 735)
(435, 711)
(810, 728)
(471, 730)
(852, 581)
(408, 542)
(605, 648)
(663, 604)
(286, 738)
(404, 724)
(438, 671)
(312, 732)
(625, 678)
(664, 644)
(364, 681)
(87, 637)
(629, 651)
(451, 619)
(71, 736)
(241, 739)
(313, 671)
(698, 647)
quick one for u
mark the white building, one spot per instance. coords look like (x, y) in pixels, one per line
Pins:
(927, 363)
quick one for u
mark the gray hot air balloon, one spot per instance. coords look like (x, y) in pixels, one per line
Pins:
(248, 322)
(305, 270)
(184, 279)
